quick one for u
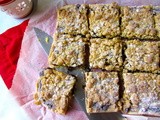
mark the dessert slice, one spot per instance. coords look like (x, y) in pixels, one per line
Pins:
(142, 56)
(106, 53)
(142, 93)
(72, 19)
(104, 20)
(156, 10)
(67, 51)
(54, 90)
(137, 22)
(102, 92)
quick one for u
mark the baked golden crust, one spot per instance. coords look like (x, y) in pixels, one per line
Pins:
(54, 90)
(104, 20)
(137, 22)
(72, 19)
(142, 93)
(106, 53)
(142, 56)
(67, 51)
(102, 92)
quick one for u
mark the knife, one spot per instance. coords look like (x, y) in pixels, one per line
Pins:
(45, 39)
(46, 42)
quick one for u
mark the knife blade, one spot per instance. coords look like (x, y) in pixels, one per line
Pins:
(80, 83)
(45, 39)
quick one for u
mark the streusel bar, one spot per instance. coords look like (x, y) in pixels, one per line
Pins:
(101, 92)
(137, 22)
(72, 19)
(106, 53)
(142, 56)
(142, 93)
(54, 90)
(104, 20)
(67, 51)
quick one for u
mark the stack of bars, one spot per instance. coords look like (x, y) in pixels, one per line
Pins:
(124, 45)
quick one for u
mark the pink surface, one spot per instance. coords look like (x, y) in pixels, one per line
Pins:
(33, 59)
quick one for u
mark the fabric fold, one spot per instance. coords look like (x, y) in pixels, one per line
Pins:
(10, 45)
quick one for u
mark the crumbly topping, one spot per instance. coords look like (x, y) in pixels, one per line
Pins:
(137, 22)
(102, 92)
(156, 10)
(68, 38)
(104, 20)
(72, 19)
(142, 56)
(54, 90)
(67, 51)
(106, 53)
(142, 93)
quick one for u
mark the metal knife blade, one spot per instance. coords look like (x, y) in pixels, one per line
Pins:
(79, 87)
(45, 39)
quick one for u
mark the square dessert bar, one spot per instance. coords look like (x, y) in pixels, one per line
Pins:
(72, 19)
(142, 56)
(54, 90)
(137, 22)
(104, 20)
(101, 92)
(142, 93)
(67, 51)
(156, 11)
(106, 53)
